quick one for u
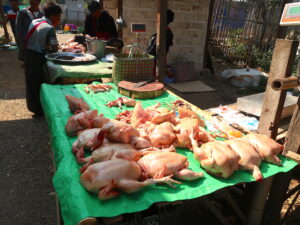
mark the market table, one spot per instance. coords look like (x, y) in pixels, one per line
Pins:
(61, 73)
(76, 203)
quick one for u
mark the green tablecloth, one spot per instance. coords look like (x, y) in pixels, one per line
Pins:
(92, 70)
(76, 203)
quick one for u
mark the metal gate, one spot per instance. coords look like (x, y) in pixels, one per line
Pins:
(245, 30)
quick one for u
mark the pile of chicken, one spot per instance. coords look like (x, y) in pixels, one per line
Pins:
(129, 156)
(72, 46)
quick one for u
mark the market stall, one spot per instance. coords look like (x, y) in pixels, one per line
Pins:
(76, 203)
(93, 71)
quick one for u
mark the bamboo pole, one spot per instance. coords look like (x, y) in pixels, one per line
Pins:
(285, 83)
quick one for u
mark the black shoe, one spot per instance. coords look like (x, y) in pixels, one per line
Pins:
(37, 115)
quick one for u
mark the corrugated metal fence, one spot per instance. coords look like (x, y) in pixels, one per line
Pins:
(242, 27)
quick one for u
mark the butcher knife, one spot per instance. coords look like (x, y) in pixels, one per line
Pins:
(142, 83)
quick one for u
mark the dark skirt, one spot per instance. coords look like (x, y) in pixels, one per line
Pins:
(34, 77)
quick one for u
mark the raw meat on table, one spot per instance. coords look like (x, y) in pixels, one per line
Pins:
(105, 178)
(161, 164)
(77, 105)
(89, 139)
(216, 158)
(250, 159)
(79, 122)
(121, 101)
(267, 147)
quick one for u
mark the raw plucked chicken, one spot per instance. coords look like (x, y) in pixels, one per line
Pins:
(188, 126)
(89, 139)
(105, 178)
(79, 122)
(216, 158)
(117, 131)
(249, 157)
(162, 164)
(267, 147)
(77, 105)
(154, 114)
(115, 151)
(162, 135)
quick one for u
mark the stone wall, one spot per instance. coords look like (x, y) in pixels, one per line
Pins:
(189, 26)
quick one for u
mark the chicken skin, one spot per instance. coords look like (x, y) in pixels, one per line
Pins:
(105, 178)
(249, 157)
(267, 147)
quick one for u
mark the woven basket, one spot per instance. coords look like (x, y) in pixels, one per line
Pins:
(139, 67)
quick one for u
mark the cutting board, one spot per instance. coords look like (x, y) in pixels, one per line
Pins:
(150, 90)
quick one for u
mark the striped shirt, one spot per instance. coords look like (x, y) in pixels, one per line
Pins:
(43, 37)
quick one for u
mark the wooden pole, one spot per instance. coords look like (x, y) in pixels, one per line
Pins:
(208, 34)
(120, 14)
(161, 38)
(282, 61)
(285, 83)
(281, 67)
(293, 136)
(281, 181)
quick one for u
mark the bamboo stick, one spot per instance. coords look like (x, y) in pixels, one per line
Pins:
(285, 83)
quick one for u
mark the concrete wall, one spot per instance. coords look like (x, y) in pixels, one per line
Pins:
(74, 11)
(189, 26)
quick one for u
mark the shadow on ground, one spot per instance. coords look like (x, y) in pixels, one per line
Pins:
(26, 173)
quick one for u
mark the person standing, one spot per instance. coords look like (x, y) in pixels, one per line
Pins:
(151, 49)
(11, 15)
(40, 40)
(99, 23)
(24, 18)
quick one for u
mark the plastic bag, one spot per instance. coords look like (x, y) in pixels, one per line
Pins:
(243, 77)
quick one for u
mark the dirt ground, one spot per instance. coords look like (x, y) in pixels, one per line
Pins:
(27, 195)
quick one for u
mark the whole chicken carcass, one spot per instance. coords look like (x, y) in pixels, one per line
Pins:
(216, 158)
(88, 139)
(267, 147)
(161, 164)
(162, 115)
(80, 122)
(77, 105)
(110, 151)
(187, 113)
(154, 114)
(249, 157)
(188, 126)
(116, 131)
(126, 132)
(105, 178)
(114, 151)
(139, 142)
(162, 135)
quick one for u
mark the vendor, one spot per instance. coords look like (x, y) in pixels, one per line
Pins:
(151, 49)
(24, 18)
(40, 40)
(98, 23)
(12, 15)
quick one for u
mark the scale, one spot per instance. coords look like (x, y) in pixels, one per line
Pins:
(291, 15)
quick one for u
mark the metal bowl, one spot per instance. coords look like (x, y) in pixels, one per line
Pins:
(70, 58)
